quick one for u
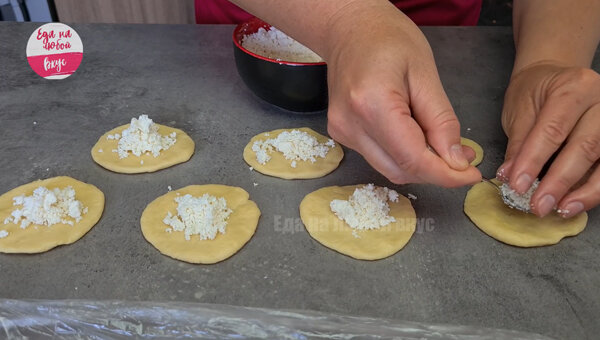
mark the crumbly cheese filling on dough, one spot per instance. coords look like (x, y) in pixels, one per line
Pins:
(295, 145)
(142, 137)
(203, 216)
(367, 208)
(521, 202)
(47, 207)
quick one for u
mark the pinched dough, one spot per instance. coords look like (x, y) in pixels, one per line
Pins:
(476, 147)
(487, 210)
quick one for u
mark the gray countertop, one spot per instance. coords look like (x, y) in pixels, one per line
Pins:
(185, 76)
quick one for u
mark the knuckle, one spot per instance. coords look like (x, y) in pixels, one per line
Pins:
(590, 147)
(446, 119)
(407, 164)
(563, 184)
(585, 76)
(360, 104)
(554, 132)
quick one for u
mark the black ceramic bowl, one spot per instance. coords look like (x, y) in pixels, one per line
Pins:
(295, 86)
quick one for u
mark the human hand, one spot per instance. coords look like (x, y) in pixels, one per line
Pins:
(548, 104)
(387, 102)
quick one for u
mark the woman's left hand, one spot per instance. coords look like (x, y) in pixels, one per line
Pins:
(548, 104)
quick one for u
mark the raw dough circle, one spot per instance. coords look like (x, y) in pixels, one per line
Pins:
(241, 225)
(180, 152)
(280, 167)
(31, 240)
(485, 208)
(325, 227)
(476, 147)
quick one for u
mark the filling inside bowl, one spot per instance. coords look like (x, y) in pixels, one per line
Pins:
(274, 44)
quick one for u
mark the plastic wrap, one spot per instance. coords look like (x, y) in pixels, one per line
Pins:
(78, 319)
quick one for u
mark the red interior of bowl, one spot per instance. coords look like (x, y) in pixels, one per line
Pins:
(252, 26)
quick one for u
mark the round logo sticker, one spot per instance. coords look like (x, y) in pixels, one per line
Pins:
(54, 51)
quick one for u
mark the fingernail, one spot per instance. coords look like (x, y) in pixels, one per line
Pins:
(501, 174)
(523, 184)
(571, 209)
(546, 204)
(458, 156)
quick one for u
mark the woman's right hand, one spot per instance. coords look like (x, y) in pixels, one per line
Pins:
(386, 99)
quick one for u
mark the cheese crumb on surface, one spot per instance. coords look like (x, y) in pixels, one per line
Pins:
(203, 216)
(255, 184)
(514, 200)
(355, 234)
(3, 233)
(100, 150)
(411, 196)
(142, 162)
(47, 207)
(295, 145)
(142, 137)
(169, 188)
(367, 208)
(251, 168)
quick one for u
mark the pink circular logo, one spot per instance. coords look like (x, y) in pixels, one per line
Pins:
(54, 51)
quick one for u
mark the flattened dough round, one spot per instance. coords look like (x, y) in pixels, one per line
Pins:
(485, 208)
(31, 240)
(180, 152)
(280, 167)
(476, 147)
(241, 225)
(325, 227)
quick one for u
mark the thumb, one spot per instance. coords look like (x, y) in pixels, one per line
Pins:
(434, 113)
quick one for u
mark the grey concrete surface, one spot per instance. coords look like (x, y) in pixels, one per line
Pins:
(184, 76)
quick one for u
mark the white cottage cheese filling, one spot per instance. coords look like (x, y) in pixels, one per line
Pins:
(47, 207)
(367, 208)
(295, 146)
(203, 216)
(142, 137)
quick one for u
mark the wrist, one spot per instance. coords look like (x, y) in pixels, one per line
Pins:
(360, 22)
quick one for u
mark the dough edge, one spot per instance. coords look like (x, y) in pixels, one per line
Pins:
(45, 238)
(278, 166)
(484, 206)
(180, 152)
(327, 229)
(241, 225)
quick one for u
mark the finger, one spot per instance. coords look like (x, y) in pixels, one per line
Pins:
(584, 198)
(382, 162)
(433, 111)
(572, 163)
(403, 139)
(352, 135)
(469, 153)
(556, 119)
(522, 121)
